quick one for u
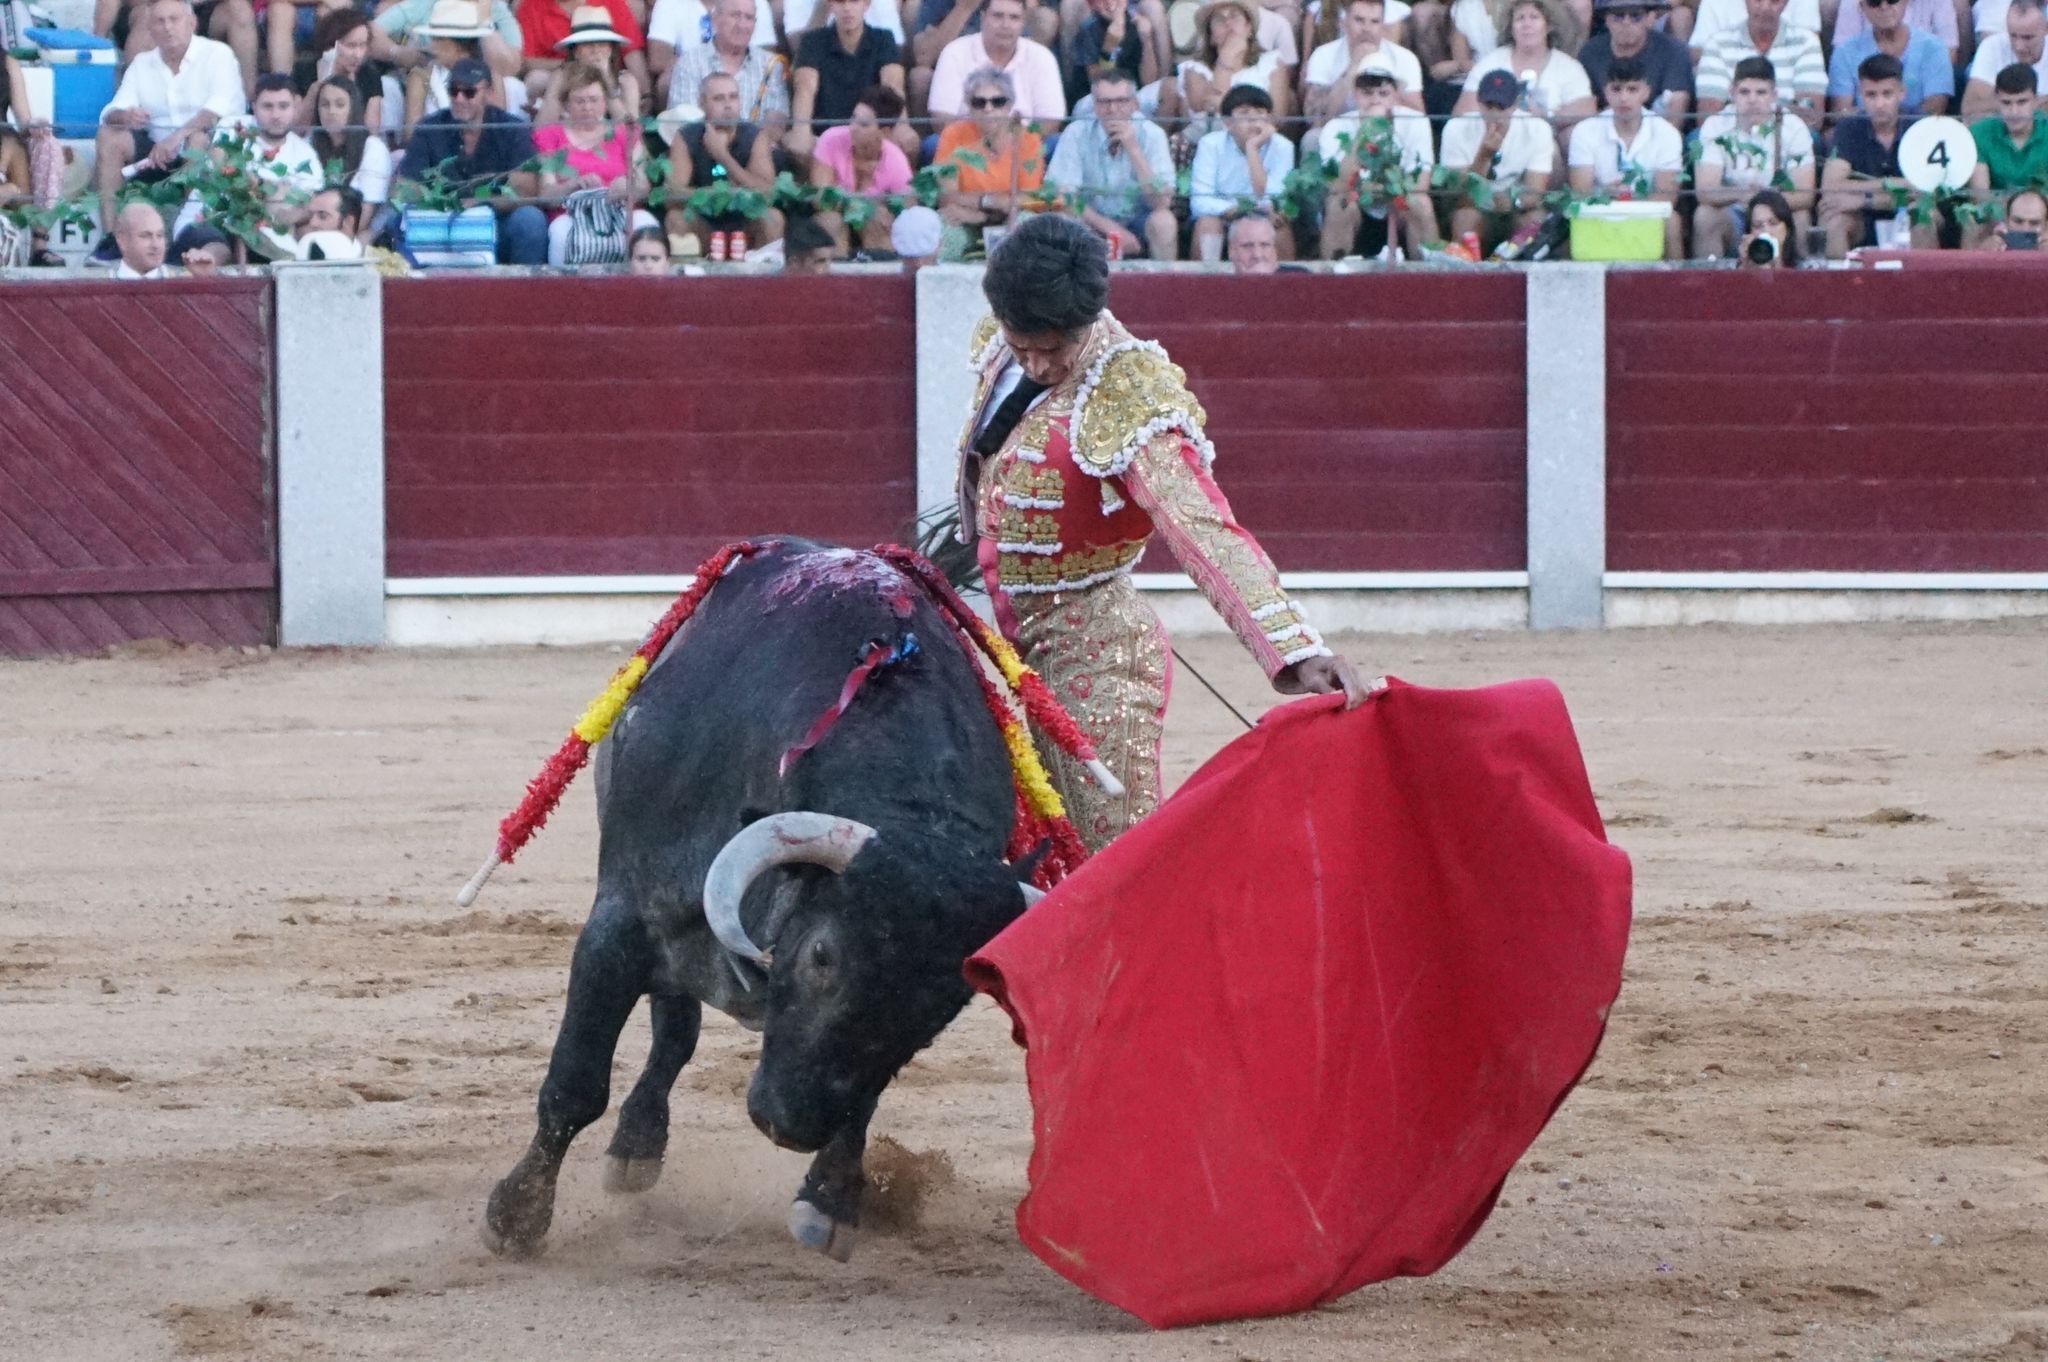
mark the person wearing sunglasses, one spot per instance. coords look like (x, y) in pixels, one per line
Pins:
(998, 164)
(474, 145)
(1930, 76)
(1631, 35)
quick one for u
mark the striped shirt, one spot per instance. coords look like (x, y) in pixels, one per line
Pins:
(1796, 55)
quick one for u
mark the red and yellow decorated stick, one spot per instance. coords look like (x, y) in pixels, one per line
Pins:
(544, 791)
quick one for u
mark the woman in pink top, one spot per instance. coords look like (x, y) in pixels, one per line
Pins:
(598, 155)
(860, 158)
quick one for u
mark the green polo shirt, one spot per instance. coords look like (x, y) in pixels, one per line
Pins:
(2012, 167)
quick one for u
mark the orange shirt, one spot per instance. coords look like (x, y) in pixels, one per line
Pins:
(1027, 152)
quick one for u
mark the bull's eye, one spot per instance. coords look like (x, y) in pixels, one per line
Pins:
(818, 956)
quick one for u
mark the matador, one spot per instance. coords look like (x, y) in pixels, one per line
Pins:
(1084, 441)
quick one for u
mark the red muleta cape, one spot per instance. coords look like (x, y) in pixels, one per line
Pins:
(1289, 1035)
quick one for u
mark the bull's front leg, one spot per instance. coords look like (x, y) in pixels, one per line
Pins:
(633, 1163)
(608, 974)
(826, 1213)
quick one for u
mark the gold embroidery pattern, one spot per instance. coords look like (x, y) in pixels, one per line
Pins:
(1033, 488)
(1139, 394)
(1103, 652)
(1040, 573)
(1227, 564)
(984, 336)
(1035, 533)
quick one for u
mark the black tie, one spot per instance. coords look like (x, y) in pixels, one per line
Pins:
(1008, 414)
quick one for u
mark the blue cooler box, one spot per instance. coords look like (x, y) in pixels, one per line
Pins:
(86, 67)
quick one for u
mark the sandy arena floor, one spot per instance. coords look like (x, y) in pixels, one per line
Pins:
(257, 1072)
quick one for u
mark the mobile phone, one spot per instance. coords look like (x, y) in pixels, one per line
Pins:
(2023, 241)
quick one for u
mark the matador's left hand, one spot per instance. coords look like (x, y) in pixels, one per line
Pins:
(1324, 676)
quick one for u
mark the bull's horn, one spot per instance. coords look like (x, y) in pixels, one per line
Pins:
(1032, 894)
(779, 839)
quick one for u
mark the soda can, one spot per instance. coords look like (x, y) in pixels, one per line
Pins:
(1116, 246)
(717, 251)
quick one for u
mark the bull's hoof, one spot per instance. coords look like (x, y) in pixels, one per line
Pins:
(627, 1176)
(517, 1217)
(814, 1229)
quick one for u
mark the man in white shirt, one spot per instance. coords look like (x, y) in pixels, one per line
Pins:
(1744, 148)
(1353, 203)
(1628, 152)
(139, 232)
(1510, 154)
(1718, 16)
(1242, 163)
(2026, 27)
(1031, 67)
(167, 103)
(676, 26)
(1333, 68)
(284, 168)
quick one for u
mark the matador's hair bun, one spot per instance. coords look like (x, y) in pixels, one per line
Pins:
(1050, 274)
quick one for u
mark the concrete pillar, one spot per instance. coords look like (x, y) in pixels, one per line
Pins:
(329, 329)
(949, 303)
(1567, 419)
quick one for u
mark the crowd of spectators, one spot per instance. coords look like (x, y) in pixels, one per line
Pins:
(597, 129)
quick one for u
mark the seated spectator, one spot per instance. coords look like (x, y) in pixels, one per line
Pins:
(1862, 170)
(2026, 27)
(859, 158)
(400, 36)
(1126, 35)
(676, 26)
(2012, 145)
(1246, 158)
(994, 164)
(474, 145)
(647, 254)
(1628, 152)
(1770, 218)
(1747, 147)
(2025, 227)
(598, 155)
(284, 171)
(1794, 53)
(1510, 155)
(799, 17)
(17, 184)
(1448, 43)
(721, 148)
(543, 24)
(938, 24)
(1229, 58)
(1333, 68)
(808, 248)
(142, 242)
(291, 34)
(1629, 33)
(595, 45)
(760, 76)
(835, 65)
(1533, 39)
(1028, 67)
(1254, 244)
(454, 35)
(1118, 167)
(1930, 80)
(341, 52)
(167, 104)
(126, 23)
(1716, 17)
(1324, 24)
(1935, 17)
(335, 210)
(1356, 205)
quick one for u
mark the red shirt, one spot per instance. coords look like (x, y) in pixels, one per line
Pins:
(545, 23)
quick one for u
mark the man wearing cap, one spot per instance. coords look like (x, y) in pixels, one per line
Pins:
(1083, 441)
(473, 144)
(835, 63)
(1118, 166)
(1354, 203)
(761, 76)
(1333, 68)
(1794, 53)
(1630, 33)
(1509, 155)
(400, 35)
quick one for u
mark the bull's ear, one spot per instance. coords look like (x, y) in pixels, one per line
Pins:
(998, 901)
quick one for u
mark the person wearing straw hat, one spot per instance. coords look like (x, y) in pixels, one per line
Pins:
(594, 43)
(455, 34)
(399, 35)
(545, 23)
(1230, 55)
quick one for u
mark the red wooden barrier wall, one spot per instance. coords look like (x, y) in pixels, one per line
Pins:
(136, 497)
(1362, 423)
(1857, 421)
(628, 426)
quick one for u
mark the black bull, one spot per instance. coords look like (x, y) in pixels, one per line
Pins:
(873, 868)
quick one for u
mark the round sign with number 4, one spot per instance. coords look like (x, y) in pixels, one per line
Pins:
(1937, 153)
